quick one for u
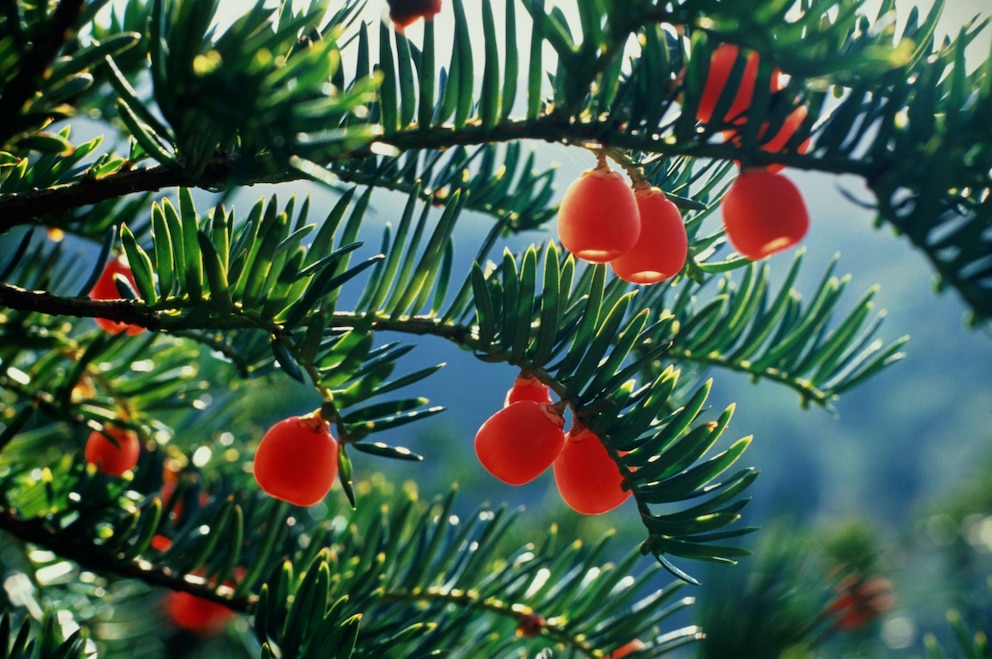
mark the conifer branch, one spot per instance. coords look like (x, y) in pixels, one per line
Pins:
(806, 390)
(45, 302)
(39, 532)
(31, 206)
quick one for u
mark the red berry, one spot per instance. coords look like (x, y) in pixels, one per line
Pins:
(161, 542)
(517, 443)
(587, 477)
(627, 648)
(531, 625)
(661, 247)
(722, 63)
(198, 615)
(859, 601)
(778, 142)
(527, 387)
(106, 289)
(405, 12)
(297, 460)
(110, 459)
(598, 218)
(764, 213)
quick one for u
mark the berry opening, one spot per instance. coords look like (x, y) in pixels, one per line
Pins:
(527, 387)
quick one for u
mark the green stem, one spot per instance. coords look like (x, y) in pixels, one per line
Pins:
(806, 390)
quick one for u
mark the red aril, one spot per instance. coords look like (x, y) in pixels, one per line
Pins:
(598, 219)
(764, 213)
(859, 601)
(587, 477)
(531, 625)
(404, 12)
(527, 387)
(722, 62)
(198, 615)
(161, 542)
(517, 443)
(625, 649)
(297, 460)
(109, 458)
(777, 143)
(106, 289)
(661, 247)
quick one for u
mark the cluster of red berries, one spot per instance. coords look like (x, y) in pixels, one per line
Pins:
(520, 441)
(602, 219)
(763, 212)
(638, 231)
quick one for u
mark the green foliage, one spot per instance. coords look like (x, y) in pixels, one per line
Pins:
(785, 590)
(970, 643)
(28, 641)
(431, 595)
(234, 300)
(32, 35)
(747, 328)
(272, 102)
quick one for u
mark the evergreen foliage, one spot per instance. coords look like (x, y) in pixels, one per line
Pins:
(234, 298)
